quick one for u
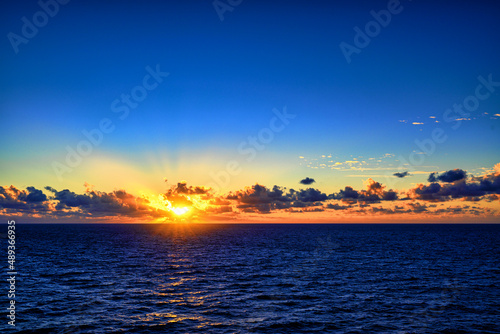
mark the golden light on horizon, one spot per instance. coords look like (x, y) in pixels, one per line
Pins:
(180, 211)
(179, 206)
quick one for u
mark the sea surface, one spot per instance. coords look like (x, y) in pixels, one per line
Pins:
(255, 278)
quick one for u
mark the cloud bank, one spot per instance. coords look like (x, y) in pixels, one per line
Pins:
(181, 200)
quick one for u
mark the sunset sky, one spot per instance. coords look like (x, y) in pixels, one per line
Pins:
(250, 111)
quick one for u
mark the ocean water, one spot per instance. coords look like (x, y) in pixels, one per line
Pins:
(195, 278)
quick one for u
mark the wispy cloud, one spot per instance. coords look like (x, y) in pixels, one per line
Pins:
(351, 163)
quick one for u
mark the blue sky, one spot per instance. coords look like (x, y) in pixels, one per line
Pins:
(227, 76)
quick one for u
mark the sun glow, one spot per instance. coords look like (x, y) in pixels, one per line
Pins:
(180, 211)
(178, 206)
(161, 203)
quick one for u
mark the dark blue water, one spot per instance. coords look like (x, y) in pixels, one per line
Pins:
(257, 279)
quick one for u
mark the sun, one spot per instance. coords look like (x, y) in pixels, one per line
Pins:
(180, 211)
(177, 207)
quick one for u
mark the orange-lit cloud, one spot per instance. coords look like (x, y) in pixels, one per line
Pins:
(450, 193)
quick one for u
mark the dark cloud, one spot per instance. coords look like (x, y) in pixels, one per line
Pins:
(183, 188)
(389, 196)
(68, 198)
(314, 209)
(307, 195)
(258, 194)
(417, 207)
(448, 176)
(402, 174)
(258, 198)
(386, 211)
(492, 198)
(96, 203)
(374, 193)
(347, 193)
(460, 188)
(29, 201)
(336, 206)
(35, 195)
(412, 207)
(307, 181)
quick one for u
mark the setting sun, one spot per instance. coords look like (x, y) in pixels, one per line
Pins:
(180, 211)
(179, 200)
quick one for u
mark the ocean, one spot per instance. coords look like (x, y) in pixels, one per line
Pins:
(256, 278)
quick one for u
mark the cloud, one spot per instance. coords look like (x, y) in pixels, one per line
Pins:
(347, 193)
(402, 174)
(417, 207)
(307, 195)
(307, 181)
(351, 163)
(388, 211)
(183, 188)
(34, 195)
(259, 198)
(203, 202)
(374, 193)
(101, 204)
(457, 187)
(449, 176)
(68, 198)
(336, 206)
(29, 201)
(65, 203)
